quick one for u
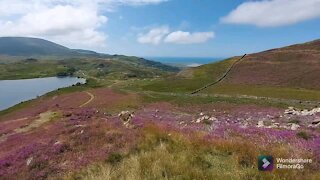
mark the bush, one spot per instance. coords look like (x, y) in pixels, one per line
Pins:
(303, 135)
(114, 158)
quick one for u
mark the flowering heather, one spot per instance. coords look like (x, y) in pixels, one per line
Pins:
(76, 139)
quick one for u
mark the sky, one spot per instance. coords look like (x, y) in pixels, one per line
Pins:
(164, 28)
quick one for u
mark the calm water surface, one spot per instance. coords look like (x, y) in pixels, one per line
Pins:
(13, 92)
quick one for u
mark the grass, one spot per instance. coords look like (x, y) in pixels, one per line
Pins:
(26, 70)
(265, 91)
(103, 68)
(303, 135)
(185, 100)
(177, 85)
(190, 80)
(199, 77)
(166, 154)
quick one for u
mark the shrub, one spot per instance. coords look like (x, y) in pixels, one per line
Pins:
(295, 121)
(303, 135)
(114, 158)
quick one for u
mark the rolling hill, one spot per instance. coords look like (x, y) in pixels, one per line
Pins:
(289, 72)
(296, 66)
(25, 46)
(23, 57)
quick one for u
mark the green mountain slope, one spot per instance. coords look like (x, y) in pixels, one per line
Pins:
(23, 46)
(22, 57)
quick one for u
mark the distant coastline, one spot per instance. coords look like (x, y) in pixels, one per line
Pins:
(185, 61)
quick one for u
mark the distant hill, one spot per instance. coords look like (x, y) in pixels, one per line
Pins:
(22, 57)
(24, 46)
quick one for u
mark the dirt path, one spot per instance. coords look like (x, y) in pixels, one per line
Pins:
(91, 99)
(221, 78)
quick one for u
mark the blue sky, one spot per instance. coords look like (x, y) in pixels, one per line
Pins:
(181, 28)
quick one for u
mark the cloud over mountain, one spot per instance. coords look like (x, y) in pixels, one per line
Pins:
(73, 23)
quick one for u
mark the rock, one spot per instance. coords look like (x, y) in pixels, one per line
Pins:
(294, 126)
(304, 112)
(260, 124)
(126, 117)
(29, 160)
(315, 122)
(245, 125)
(274, 125)
(213, 119)
(289, 111)
(198, 120)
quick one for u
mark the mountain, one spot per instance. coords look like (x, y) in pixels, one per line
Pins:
(22, 57)
(25, 46)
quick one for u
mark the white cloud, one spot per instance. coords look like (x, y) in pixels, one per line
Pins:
(135, 2)
(154, 36)
(74, 23)
(272, 13)
(181, 37)
(163, 34)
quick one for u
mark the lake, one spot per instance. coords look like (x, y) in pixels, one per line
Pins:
(13, 92)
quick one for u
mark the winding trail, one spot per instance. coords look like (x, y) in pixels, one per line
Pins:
(221, 78)
(91, 99)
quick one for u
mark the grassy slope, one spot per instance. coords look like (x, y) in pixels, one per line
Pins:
(290, 73)
(191, 79)
(112, 68)
(23, 70)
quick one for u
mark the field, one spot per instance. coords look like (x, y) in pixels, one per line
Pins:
(83, 137)
(135, 119)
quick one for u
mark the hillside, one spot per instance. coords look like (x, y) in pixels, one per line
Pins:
(22, 57)
(296, 66)
(284, 70)
(23, 46)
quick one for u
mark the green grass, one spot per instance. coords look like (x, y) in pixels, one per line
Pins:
(110, 68)
(196, 78)
(265, 91)
(200, 76)
(26, 70)
(185, 100)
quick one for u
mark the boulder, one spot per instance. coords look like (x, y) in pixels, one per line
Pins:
(126, 117)
(294, 126)
(315, 122)
(260, 124)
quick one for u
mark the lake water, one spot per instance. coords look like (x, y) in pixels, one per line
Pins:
(185, 61)
(13, 92)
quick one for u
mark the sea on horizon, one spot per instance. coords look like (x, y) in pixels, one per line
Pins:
(185, 61)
